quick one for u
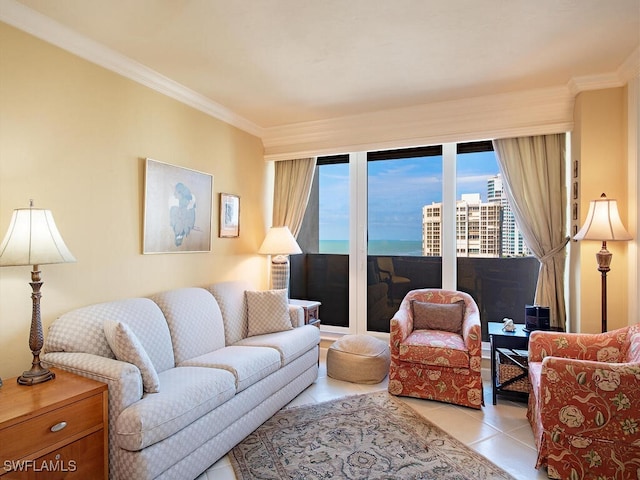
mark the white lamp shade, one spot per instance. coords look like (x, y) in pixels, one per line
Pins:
(603, 222)
(33, 239)
(279, 241)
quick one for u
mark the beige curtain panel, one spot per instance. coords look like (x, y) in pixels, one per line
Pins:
(533, 169)
(293, 180)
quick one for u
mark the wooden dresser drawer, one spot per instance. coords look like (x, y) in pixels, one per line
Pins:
(36, 433)
(80, 460)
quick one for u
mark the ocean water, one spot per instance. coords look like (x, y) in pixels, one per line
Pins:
(375, 247)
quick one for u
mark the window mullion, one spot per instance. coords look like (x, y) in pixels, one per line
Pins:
(358, 243)
(448, 233)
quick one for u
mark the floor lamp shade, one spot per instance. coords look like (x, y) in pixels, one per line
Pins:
(279, 243)
(604, 225)
(33, 239)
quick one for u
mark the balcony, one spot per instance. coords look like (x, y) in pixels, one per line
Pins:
(501, 286)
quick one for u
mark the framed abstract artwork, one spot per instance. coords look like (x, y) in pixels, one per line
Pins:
(229, 215)
(177, 209)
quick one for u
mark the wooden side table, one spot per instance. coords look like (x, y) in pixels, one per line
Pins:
(53, 430)
(514, 347)
(311, 311)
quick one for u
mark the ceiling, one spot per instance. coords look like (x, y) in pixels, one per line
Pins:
(282, 62)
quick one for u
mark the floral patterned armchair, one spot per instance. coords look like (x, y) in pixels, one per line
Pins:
(584, 403)
(436, 364)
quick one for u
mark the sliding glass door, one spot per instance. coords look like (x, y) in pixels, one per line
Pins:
(382, 223)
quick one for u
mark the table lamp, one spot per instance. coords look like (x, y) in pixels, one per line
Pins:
(33, 239)
(279, 243)
(603, 224)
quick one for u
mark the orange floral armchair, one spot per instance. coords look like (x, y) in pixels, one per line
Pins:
(584, 404)
(436, 364)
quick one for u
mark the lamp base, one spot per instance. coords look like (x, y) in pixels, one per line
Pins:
(280, 275)
(37, 374)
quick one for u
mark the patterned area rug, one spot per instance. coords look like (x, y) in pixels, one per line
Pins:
(372, 436)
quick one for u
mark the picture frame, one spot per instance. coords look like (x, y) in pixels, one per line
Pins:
(229, 216)
(178, 205)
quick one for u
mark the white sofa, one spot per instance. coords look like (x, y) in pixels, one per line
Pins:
(194, 384)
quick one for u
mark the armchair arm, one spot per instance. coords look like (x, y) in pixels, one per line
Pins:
(472, 333)
(400, 328)
(601, 347)
(590, 399)
(124, 379)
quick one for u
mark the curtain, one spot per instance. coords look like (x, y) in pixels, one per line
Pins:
(533, 169)
(292, 185)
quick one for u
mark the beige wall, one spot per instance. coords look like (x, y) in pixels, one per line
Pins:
(74, 136)
(599, 144)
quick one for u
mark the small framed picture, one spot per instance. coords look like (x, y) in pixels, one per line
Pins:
(229, 215)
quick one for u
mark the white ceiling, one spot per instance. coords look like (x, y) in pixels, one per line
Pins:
(281, 62)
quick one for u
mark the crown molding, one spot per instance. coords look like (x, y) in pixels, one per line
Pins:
(533, 112)
(40, 26)
(629, 69)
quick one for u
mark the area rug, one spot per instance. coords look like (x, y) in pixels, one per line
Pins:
(371, 436)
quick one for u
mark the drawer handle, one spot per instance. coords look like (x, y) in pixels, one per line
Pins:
(58, 426)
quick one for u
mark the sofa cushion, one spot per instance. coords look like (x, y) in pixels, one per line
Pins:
(248, 364)
(127, 348)
(291, 344)
(194, 320)
(438, 316)
(268, 312)
(82, 330)
(187, 394)
(233, 305)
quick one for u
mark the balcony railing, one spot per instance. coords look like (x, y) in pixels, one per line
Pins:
(501, 286)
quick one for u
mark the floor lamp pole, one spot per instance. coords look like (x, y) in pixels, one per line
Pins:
(604, 262)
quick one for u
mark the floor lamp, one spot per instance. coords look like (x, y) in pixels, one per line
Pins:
(33, 239)
(603, 224)
(279, 243)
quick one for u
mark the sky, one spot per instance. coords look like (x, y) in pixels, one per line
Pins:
(397, 191)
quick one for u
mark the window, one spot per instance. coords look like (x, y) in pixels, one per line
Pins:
(401, 246)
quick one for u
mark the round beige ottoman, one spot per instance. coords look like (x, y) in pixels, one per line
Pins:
(358, 359)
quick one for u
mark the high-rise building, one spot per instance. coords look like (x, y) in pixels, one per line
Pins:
(477, 228)
(482, 229)
(512, 241)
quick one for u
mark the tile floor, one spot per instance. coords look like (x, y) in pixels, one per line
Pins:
(499, 432)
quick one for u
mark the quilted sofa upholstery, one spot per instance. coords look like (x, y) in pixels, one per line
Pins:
(583, 405)
(215, 385)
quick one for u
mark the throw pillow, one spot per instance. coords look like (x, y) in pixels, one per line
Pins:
(438, 316)
(127, 348)
(267, 312)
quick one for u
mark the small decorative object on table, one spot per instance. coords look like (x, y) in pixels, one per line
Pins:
(509, 326)
(536, 318)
